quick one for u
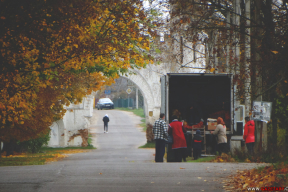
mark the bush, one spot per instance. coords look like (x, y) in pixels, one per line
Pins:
(269, 156)
(149, 133)
(90, 140)
(34, 145)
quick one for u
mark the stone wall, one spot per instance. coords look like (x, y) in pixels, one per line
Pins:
(72, 130)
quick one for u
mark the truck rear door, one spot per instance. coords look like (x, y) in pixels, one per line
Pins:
(164, 96)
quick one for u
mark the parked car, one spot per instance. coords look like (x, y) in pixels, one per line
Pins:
(105, 103)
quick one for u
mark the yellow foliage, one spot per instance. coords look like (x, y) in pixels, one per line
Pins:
(43, 72)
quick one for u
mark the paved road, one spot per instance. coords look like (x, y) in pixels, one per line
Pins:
(117, 165)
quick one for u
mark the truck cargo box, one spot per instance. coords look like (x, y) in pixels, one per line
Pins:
(209, 95)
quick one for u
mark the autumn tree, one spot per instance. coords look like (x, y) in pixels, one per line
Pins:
(53, 53)
(246, 38)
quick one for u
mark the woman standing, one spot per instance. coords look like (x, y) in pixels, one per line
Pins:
(249, 134)
(220, 131)
(179, 145)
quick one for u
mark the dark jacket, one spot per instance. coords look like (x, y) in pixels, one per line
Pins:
(106, 119)
(197, 140)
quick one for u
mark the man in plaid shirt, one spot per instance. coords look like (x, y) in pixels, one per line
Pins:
(160, 131)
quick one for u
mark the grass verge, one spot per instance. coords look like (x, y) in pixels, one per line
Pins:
(202, 159)
(148, 145)
(143, 124)
(47, 155)
(139, 112)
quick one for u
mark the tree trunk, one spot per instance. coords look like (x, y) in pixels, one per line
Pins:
(269, 62)
(0, 148)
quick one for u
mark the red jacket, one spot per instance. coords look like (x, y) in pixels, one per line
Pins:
(249, 132)
(179, 141)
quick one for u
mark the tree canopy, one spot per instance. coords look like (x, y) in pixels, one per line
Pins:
(246, 38)
(53, 53)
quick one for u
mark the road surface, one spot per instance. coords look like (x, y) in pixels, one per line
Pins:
(117, 165)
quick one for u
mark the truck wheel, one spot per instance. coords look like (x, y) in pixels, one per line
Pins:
(97, 108)
(101, 108)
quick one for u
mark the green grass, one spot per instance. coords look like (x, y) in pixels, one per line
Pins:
(148, 145)
(202, 159)
(15, 161)
(36, 158)
(44, 149)
(143, 124)
(90, 140)
(139, 112)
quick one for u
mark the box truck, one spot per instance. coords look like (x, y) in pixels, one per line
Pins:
(200, 97)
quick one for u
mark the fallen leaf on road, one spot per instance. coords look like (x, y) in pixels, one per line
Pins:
(225, 169)
(153, 154)
(199, 178)
(100, 173)
(205, 180)
(152, 182)
(178, 183)
(202, 190)
(245, 185)
(182, 168)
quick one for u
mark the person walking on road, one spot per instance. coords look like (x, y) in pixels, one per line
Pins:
(106, 120)
(179, 145)
(160, 131)
(249, 135)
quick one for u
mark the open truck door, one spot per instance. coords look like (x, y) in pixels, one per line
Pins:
(164, 97)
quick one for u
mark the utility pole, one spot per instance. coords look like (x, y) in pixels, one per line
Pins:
(136, 97)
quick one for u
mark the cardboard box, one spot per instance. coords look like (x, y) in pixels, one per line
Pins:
(211, 124)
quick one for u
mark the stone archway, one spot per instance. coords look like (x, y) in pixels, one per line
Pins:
(152, 108)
